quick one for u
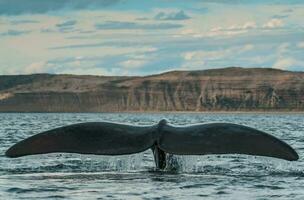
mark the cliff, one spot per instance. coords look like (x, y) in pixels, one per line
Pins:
(227, 89)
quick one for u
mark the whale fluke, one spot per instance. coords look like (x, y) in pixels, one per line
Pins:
(223, 138)
(103, 138)
(100, 138)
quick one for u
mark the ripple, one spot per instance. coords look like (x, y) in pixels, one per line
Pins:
(273, 187)
(27, 190)
(61, 176)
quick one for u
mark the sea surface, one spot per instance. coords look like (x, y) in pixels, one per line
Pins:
(75, 176)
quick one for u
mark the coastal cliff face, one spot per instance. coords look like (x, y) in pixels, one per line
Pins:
(228, 89)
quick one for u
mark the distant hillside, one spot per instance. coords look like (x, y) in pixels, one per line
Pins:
(227, 89)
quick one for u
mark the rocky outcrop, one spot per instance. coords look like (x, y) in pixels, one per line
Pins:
(227, 89)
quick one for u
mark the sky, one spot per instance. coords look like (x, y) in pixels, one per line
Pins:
(137, 37)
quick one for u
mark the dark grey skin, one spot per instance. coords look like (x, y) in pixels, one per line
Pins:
(104, 138)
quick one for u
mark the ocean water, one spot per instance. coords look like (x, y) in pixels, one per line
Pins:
(75, 176)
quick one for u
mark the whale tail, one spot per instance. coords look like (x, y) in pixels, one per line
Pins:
(102, 138)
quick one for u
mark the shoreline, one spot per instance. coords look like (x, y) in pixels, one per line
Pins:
(166, 112)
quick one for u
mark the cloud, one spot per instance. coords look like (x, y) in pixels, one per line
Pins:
(220, 57)
(76, 46)
(267, 2)
(285, 63)
(47, 30)
(273, 23)
(36, 67)
(283, 48)
(180, 15)
(142, 18)
(236, 27)
(14, 33)
(287, 60)
(138, 44)
(203, 59)
(63, 27)
(248, 25)
(289, 10)
(138, 59)
(66, 26)
(76, 65)
(132, 25)
(91, 70)
(280, 16)
(245, 27)
(24, 21)
(133, 63)
(216, 54)
(66, 65)
(66, 23)
(218, 31)
(300, 45)
(111, 38)
(17, 7)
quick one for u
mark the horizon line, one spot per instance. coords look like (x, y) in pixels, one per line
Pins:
(160, 73)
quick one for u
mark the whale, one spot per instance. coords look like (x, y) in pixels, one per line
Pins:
(164, 139)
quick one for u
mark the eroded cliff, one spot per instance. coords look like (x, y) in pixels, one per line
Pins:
(227, 89)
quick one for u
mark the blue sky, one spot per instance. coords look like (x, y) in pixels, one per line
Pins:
(136, 37)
